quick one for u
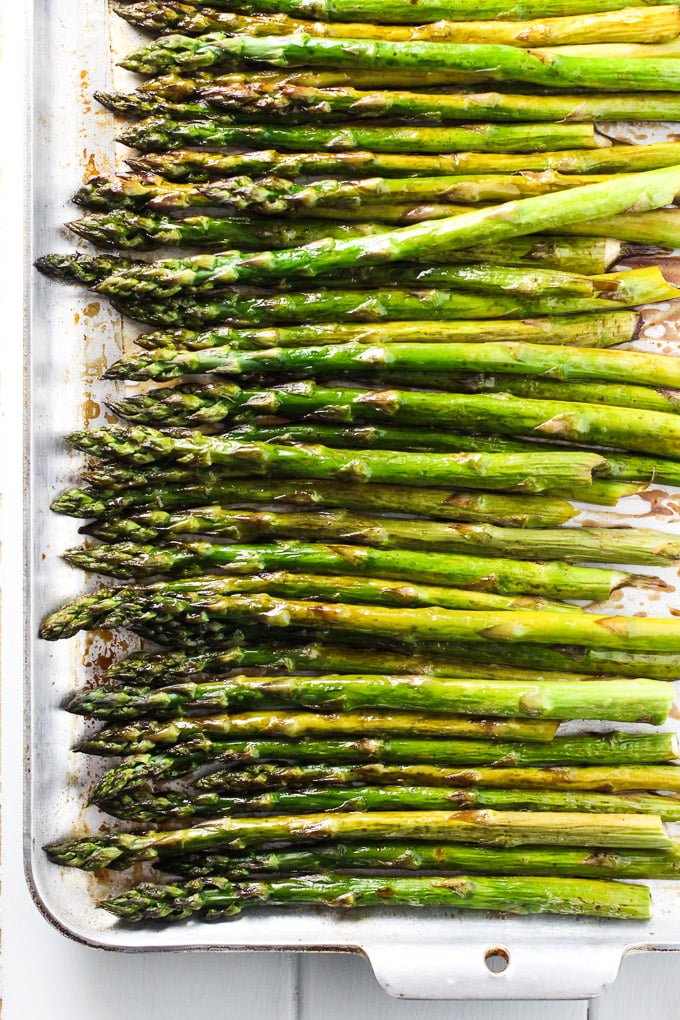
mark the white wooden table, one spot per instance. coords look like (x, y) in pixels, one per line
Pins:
(47, 976)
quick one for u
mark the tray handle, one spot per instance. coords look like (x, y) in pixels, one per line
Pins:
(529, 970)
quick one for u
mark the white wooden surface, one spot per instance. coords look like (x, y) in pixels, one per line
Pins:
(44, 974)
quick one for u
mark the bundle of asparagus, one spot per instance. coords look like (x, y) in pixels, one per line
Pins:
(372, 604)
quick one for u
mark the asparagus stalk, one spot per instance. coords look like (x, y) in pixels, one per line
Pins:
(241, 308)
(219, 897)
(113, 478)
(647, 432)
(81, 268)
(157, 669)
(278, 195)
(523, 472)
(143, 806)
(646, 25)
(164, 131)
(510, 663)
(491, 828)
(623, 701)
(554, 579)
(592, 544)
(422, 857)
(605, 330)
(645, 191)
(563, 363)
(192, 164)
(261, 102)
(611, 749)
(519, 511)
(121, 228)
(629, 634)
(143, 736)
(291, 777)
(486, 62)
(403, 12)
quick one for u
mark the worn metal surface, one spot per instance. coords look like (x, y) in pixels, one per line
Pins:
(71, 338)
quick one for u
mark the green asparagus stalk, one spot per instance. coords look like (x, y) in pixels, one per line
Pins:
(604, 330)
(113, 478)
(486, 62)
(278, 195)
(143, 736)
(610, 749)
(519, 511)
(260, 102)
(647, 25)
(517, 357)
(553, 579)
(422, 857)
(623, 701)
(629, 634)
(81, 268)
(126, 606)
(166, 132)
(192, 164)
(524, 472)
(221, 898)
(241, 308)
(641, 192)
(128, 230)
(402, 12)
(144, 806)
(614, 778)
(592, 544)
(647, 432)
(491, 828)
(511, 663)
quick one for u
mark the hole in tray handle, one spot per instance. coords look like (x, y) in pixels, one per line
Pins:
(497, 959)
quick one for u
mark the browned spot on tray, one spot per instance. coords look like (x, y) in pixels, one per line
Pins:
(92, 309)
(90, 168)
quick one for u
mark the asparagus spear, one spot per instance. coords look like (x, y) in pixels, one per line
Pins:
(592, 544)
(422, 857)
(647, 25)
(517, 357)
(623, 701)
(261, 102)
(220, 898)
(112, 479)
(629, 634)
(645, 191)
(277, 195)
(81, 268)
(403, 12)
(291, 777)
(603, 330)
(144, 806)
(520, 511)
(612, 748)
(191, 164)
(523, 472)
(493, 662)
(486, 62)
(554, 579)
(237, 307)
(167, 132)
(491, 828)
(121, 228)
(156, 669)
(142, 736)
(647, 432)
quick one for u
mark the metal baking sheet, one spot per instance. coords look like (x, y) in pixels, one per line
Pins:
(70, 338)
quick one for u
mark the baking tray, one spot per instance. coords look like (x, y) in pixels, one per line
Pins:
(70, 339)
